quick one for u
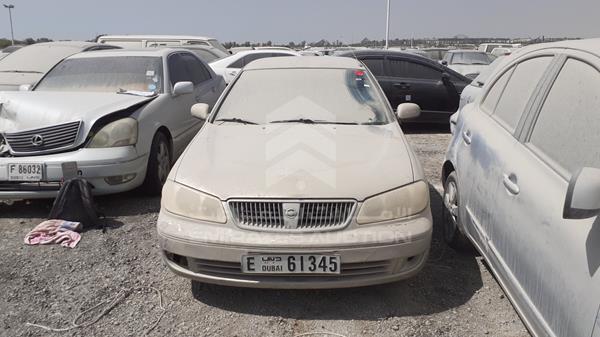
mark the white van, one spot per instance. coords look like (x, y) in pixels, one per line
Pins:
(172, 41)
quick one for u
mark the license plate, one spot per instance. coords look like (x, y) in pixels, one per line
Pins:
(291, 264)
(25, 172)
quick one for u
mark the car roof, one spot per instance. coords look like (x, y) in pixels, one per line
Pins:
(465, 51)
(304, 62)
(156, 37)
(388, 52)
(262, 51)
(590, 45)
(69, 44)
(156, 52)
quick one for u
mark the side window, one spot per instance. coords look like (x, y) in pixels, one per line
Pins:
(491, 100)
(254, 57)
(407, 69)
(279, 54)
(518, 90)
(195, 68)
(375, 65)
(239, 64)
(417, 70)
(177, 69)
(567, 127)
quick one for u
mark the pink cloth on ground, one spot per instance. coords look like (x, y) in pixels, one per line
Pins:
(55, 231)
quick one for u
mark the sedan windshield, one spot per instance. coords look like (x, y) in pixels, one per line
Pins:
(106, 74)
(471, 58)
(309, 96)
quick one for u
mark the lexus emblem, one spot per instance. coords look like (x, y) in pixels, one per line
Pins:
(291, 213)
(37, 140)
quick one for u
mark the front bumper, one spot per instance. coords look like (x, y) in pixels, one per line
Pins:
(93, 164)
(370, 254)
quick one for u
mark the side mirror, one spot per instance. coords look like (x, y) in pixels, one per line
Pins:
(408, 111)
(583, 195)
(25, 87)
(444, 63)
(183, 88)
(200, 110)
(445, 77)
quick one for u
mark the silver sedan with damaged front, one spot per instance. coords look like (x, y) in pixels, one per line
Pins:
(301, 178)
(119, 117)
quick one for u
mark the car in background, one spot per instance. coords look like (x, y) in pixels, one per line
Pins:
(436, 54)
(171, 41)
(235, 50)
(121, 117)
(243, 208)
(522, 184)
(230, 66)
(488, 47)
(273, 48)
(473, 90)
(8, 50)
(207, 54)
(409, 78)
(502, 51)
(467, 62)
(28, 64)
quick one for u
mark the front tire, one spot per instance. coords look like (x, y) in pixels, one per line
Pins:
(453, 234)
(159, 165)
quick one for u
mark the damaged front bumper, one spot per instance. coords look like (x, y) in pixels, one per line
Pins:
(108, 170)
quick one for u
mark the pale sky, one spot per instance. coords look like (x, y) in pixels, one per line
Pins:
(283, 20)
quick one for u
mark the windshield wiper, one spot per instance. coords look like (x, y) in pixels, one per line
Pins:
(136, 92)
(235, 120)
(312, 121)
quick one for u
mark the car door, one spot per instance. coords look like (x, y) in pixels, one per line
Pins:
(410, 81)
(177, 116)
(206, 90)
(488, 132)
(554, 261)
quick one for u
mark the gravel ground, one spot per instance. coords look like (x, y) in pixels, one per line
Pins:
(455, 295)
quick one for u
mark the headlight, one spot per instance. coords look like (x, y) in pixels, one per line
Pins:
(187, 202)
(122, 132)
(399, 203)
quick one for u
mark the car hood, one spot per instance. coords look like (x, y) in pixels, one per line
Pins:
(295, 161)
(26, 110)
(12, 81)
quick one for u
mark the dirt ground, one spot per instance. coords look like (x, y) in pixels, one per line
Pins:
(455, 295)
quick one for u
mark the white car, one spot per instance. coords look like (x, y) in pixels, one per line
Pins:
(522, 184)
(164, 41)
(28, 64)
(502, 51)
(467, 62)
(121, 117)
(230, 66)
(301, 178)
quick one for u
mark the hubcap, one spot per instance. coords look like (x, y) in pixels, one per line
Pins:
(164, 162)
(451, 200)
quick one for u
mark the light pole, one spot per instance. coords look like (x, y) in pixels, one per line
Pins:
(387, 26)
(12, 33)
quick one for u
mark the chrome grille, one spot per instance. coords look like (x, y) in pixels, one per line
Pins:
(293, 216)
(52, 138)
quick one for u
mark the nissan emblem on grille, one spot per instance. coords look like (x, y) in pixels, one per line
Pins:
(37, 140)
